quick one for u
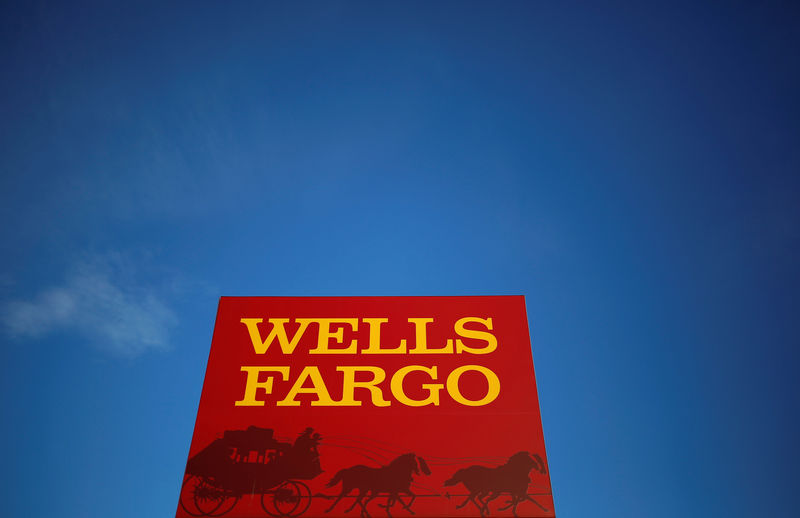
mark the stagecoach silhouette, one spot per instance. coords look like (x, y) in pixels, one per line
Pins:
(252, 461)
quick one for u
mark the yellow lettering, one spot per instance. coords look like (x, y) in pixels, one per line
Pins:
(491, 378)
(278, 330)
(421, 346)
(375, 338)
(252, 385)
(325, 335)
(318, 388)
(350, 384)
(489, 338)
(433, 388)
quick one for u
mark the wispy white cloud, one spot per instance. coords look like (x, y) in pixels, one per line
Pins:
(103, 302)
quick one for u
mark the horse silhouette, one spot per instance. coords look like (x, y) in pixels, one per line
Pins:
(391, 480)
(486, 484)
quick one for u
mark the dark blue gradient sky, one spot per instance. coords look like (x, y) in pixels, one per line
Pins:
(632, 170)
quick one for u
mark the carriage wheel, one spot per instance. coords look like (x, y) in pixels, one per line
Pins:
(305, 498)
(187, 495)
(289, 499)
(199, 497)
(226, 506)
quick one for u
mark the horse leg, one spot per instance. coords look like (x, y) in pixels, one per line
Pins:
(516, 501)
(527, 497)
(465, 502)
(390, 500)
(345, 490)
(513, 503)
(480, 503)
(357, 501)
(508, 505)
(329, 509)
(364, 512)
(407, 506)
(491, 496)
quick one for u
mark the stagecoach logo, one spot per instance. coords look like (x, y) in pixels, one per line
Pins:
(368, 406)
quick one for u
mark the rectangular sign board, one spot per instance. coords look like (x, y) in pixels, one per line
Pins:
(368, 406)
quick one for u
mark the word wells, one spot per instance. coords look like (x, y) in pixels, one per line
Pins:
(316, 378)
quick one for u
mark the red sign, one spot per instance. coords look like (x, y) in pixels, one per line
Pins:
(368, 406)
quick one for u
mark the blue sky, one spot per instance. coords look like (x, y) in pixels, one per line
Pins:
(632, 170)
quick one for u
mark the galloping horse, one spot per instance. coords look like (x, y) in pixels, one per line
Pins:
(391, 480)
(486, 484)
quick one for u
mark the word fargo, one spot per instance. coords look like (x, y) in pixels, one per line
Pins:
(368, 406)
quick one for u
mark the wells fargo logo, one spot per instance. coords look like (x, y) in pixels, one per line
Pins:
(340, 336)
(368, 406)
